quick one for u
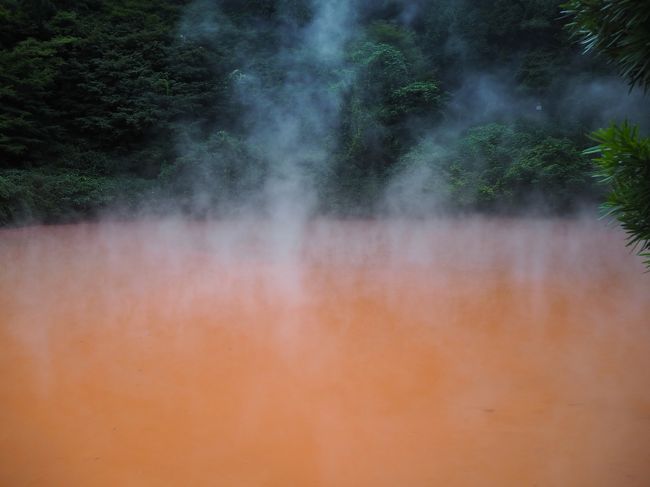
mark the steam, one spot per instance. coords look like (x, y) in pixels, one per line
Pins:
(589, 102)
(288, 121)
(279, 161)
(358, 350)
(293, 122)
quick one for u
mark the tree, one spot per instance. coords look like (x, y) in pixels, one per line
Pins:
(624, 163)
(620, 30)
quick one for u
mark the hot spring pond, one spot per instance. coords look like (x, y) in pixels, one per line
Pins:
(442, 353)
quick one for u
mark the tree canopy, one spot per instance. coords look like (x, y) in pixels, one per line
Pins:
(113, 102)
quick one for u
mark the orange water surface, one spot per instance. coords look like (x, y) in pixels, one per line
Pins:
(403, 354)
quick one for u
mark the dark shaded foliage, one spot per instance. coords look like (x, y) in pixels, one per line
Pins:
(104, 102)
(620, 30)
(624, 164)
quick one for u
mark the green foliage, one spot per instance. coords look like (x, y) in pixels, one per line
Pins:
(486, 35)
(554, 171)
(402, 39)
(392, 93)
(215, 173)
(420, 97)
(383, 68)
(624, 164)
(106, 78)
(55, 196)
(619, 29)
(98, 98)
(506, 168)
(27, 75)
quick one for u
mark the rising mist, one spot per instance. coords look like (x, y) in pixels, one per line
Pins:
(313, 243)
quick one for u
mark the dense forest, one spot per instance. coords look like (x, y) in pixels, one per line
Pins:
(377, 106)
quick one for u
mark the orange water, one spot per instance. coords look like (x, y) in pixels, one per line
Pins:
(468, 353)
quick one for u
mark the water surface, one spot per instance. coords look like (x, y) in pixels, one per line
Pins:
(446, 353)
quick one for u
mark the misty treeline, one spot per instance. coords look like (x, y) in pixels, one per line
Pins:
(210, 106)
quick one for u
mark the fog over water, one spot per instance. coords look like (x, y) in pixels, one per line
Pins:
(456, 352)
(278, 341)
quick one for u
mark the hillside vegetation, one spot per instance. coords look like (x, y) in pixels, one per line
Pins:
(110, 103)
